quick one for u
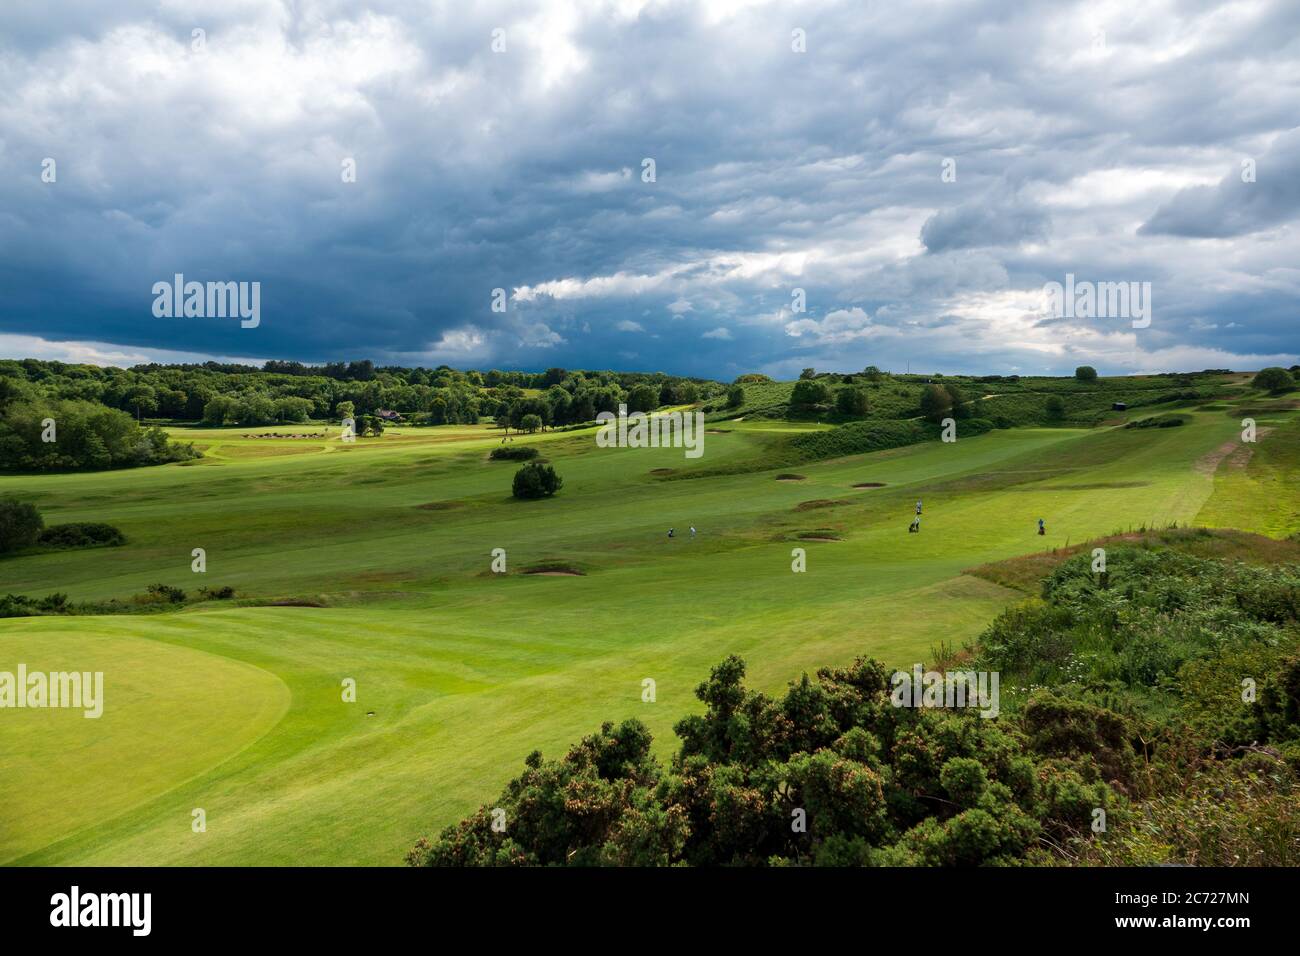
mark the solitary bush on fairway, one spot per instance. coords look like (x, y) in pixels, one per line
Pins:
(20, 524)
(81, 534)
(1274, 379)
(511, 453)
(536, 480)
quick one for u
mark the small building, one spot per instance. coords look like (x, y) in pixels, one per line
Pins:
(1119, 406)
(388, 415)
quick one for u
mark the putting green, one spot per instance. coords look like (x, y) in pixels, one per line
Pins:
(169, 714)
(461, 672)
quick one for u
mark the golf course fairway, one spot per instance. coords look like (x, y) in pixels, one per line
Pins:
(372, 562)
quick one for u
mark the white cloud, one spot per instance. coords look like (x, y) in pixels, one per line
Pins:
(841, 325)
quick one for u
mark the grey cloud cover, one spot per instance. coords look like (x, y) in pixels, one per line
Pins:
(1098, 139)
(1246, 200)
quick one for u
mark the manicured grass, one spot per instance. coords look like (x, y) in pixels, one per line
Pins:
(466, 671)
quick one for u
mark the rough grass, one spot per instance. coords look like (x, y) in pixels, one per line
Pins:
(1026, 572)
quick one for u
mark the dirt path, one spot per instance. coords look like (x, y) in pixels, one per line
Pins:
(1240, 451)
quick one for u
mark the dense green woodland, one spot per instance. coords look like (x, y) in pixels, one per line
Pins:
(98, 411)
(100, 406)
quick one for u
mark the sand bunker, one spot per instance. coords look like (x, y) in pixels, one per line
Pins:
(820, 503)
(551, 569)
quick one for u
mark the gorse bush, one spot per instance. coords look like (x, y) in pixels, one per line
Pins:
(874, 784)
(1152, 611)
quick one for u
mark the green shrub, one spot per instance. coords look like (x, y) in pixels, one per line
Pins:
(1159, 421)
(511, 453)
(936, 403)
(852, 402)
(166, 593)
(536, 480)
(20, 524)
(81, 534)
(810, 392)
(1273, 379)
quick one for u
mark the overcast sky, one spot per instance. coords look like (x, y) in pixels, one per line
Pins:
(1114, 141)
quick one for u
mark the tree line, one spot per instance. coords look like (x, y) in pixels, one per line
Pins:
(227, 394)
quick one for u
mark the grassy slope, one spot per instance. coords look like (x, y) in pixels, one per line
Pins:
(1255, 490)
(467, 671)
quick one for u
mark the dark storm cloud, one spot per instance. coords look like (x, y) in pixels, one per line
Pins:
(1255, 196)
(775, 171)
